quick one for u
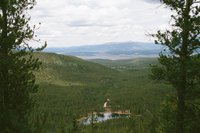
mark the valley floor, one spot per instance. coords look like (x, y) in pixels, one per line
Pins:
(70, 87)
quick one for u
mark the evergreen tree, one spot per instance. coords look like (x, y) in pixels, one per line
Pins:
(17, 64)
(180, 62)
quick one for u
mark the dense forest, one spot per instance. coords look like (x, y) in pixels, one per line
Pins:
(71, 88)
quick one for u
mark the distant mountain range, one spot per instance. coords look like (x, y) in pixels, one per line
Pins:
(116, 50)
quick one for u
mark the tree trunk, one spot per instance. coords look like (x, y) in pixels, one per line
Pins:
(184, 58)
(4, 56)
(180, 118)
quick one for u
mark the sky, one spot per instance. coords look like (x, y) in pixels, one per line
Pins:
(79, 22)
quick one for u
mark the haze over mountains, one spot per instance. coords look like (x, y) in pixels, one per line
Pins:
(115, 50)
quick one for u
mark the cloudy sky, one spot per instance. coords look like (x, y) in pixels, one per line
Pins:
(80, 22)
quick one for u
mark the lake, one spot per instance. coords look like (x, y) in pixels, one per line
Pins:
(101, 117)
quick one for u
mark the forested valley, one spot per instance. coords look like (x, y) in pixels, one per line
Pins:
(43, 92)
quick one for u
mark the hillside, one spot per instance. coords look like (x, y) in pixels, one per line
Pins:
(72, 69)
(70, 87)
(127, 64)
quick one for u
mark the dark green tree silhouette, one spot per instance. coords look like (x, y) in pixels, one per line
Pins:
(179, 60)
(17, 64)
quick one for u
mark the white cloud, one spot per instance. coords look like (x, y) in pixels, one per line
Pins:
(76, 22)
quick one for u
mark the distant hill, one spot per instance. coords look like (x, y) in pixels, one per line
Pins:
(118, 50)
(127, 64)
(69, 69)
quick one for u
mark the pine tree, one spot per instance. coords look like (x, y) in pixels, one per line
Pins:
(17, 64)
(180, 60)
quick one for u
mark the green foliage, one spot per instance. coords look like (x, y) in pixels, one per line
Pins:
(69, 86)
(168, 113)
(37, 121)
(127, 64)
(178, 59)
(17, 64)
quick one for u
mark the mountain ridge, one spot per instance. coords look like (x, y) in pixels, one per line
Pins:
(112, 50)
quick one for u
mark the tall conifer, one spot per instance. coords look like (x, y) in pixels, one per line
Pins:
(180, 60)
(17, 64)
